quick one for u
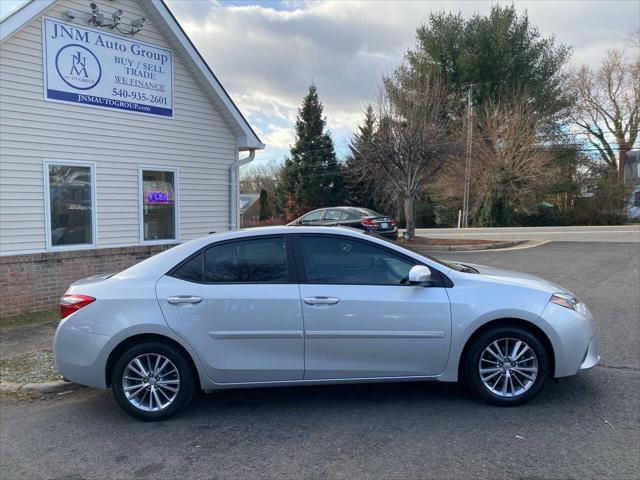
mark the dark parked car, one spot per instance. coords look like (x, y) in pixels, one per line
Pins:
(355, 217)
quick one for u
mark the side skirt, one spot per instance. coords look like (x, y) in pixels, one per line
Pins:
(324, 381)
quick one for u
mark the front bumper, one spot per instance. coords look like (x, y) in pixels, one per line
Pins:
(572, 336)
(591, 357)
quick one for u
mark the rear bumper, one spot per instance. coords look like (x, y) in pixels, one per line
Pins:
(393, 234)
(80, 356)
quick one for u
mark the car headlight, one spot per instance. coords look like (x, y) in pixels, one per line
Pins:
(569, 301)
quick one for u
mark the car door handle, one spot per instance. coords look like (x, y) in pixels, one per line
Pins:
(180, 299)
(321, 300)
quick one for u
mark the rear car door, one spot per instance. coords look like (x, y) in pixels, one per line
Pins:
(334, 216)
(238, 305)
(362, 319)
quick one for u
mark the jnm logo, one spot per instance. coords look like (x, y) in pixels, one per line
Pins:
(79, 66)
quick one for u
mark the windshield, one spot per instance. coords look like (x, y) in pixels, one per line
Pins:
(453, 266)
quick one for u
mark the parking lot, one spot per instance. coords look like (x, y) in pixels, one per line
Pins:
(582, 427)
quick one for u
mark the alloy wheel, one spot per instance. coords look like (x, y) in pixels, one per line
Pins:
(508, 367)
(151, 382)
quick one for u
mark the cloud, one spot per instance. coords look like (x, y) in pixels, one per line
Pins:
(279, 137)
(266, 54)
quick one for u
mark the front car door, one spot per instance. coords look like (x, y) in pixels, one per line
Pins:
(361, 318)
(238, 305)
(312, 218)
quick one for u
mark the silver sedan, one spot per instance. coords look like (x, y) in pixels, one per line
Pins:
(310, 305)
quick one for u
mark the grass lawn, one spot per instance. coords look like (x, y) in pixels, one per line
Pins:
(29, 319)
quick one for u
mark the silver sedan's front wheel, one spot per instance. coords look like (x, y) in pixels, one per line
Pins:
(507, 365)
(152, 380)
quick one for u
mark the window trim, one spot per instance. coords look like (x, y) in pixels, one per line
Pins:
(290, 258)
(47, 205)
(176, 193)
(439, 279)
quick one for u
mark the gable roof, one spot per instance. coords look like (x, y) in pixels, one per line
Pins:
(180, 43)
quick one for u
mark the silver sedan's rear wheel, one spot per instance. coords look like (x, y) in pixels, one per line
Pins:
(506, 366)
(152, 380)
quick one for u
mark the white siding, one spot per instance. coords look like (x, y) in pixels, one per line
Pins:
(197, 141)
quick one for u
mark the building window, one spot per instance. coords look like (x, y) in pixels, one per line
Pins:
(159, 200)
(70, 204)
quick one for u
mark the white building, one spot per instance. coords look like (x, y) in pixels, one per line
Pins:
(116, 141)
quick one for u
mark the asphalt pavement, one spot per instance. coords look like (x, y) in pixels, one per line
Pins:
(586, 426)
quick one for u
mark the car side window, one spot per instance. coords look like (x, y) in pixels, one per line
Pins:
(343, 261)
(312, 217)
(191, 270)
(262, 260)
(335, 215)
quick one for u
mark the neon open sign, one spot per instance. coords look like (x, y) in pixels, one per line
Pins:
(157, 197)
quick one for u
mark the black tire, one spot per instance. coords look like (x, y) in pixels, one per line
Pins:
(185, 375)
(472, 364)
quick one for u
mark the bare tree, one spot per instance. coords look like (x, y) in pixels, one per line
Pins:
(608, 107)
(411, 141)
(513, 163)
(256, 178)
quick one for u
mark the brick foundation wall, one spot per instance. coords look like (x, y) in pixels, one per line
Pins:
(31, 283)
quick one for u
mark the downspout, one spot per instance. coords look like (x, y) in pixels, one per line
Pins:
(234, 185)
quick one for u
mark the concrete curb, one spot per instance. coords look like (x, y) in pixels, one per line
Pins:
(47, 387)
(468, 248)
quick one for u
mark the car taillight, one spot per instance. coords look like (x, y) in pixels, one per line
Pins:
(392, 222)
(367, 222)
(73, 303)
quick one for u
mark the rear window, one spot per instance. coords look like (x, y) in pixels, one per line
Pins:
(335, 215)
(260, 260)
(251, 261)
(364, 212)
(191, 270)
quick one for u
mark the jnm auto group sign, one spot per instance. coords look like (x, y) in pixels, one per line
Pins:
(98, 69)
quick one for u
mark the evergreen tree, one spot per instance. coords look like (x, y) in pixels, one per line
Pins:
(499, 54)
(265, 210)
(311, 176)
(360, 189)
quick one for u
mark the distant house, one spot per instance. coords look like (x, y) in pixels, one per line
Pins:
(632, 167)
(118, 141)
(247, 200)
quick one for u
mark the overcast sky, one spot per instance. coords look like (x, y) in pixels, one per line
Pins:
(266, 53)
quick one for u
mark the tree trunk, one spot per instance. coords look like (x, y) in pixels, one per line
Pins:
(410, 217)
(623, 160)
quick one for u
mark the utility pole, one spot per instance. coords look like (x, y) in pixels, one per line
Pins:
(467, 170)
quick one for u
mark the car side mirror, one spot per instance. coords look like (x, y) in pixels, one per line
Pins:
(419, 275)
